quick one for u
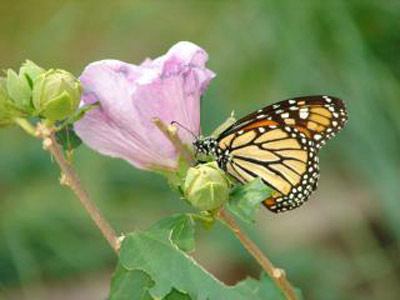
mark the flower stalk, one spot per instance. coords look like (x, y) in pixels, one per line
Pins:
(276, 274)
(70, 179)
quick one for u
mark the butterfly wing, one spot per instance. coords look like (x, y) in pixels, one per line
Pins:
(318, 117)
(281, 156)
(279, 144)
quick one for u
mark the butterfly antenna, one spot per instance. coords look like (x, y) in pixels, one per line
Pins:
(188, 130)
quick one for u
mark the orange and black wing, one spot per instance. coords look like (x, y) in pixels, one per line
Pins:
(280, 144)
(319, 118)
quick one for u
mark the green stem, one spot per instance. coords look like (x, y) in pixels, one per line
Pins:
(276, 274)
(26, 126)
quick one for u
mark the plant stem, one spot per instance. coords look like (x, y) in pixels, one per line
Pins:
(276, 274)
(26, 126)
(71, 179)
(171, 134)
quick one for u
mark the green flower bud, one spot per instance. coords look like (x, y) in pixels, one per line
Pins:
(56, 94)
(30, 71)
(19, 90)
(8, 109)
(206, 186)
(19, 86)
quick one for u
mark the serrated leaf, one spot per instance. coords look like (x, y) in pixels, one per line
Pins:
(130, 284)
(170, 268)
(68, 138)
(182, 229)
(177, 295)
(245, 199)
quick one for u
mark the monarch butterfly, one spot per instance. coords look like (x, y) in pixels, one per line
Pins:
(279, 143)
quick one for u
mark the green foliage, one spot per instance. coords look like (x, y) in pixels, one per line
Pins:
(68, 138)
(182, 228)
(245, 199)
(130, 284)
(176, 295)
(167, 268)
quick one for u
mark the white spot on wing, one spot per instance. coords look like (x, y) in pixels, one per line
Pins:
(304, 113)
(285, 115)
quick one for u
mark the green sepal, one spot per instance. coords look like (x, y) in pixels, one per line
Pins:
(58, 108)
(175, 177)
(245, 200)
(8, 109)
(79, 114)
(30, 71)
(19, 90)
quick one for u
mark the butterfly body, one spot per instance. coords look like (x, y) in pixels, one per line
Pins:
(279, 144)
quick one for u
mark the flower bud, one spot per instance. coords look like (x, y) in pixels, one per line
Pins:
(19, 90)
(8, 110)
(206, 186)
(19, 86)
(30, 71)
(56, 94)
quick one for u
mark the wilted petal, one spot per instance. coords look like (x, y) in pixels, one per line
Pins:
(130, 96)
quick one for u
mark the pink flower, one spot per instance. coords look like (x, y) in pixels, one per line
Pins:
(130, 96)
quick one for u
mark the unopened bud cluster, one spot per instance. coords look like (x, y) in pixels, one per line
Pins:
(53, 94)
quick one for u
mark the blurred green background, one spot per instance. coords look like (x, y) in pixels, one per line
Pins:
(343, 244)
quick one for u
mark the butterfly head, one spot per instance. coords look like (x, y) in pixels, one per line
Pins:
(209, 147)
(206, 146)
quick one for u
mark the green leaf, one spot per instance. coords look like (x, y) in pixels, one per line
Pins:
(182, 229)
(154, 253)
(245, 199)
(177, 295)
(130, 284)
(267, 289)
(68, 138)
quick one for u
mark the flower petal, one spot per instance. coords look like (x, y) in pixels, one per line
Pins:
(130, 96)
